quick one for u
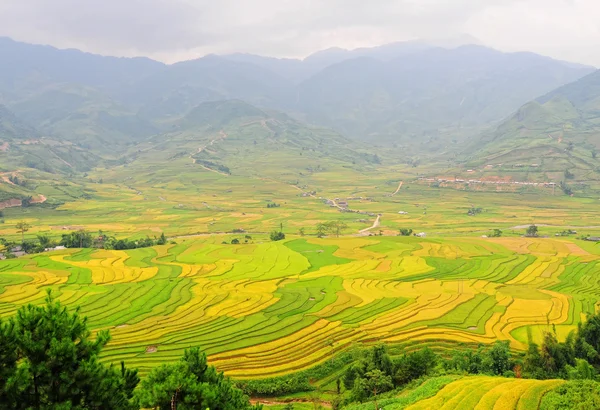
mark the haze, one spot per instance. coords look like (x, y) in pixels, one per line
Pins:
(174, 30)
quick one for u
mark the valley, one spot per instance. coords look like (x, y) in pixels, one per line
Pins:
(306, 223)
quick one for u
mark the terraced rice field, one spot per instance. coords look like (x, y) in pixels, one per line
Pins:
(493, 393)
(265, 309)
(469, 393)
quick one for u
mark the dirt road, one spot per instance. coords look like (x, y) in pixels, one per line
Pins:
(375, 225)
(398, 189)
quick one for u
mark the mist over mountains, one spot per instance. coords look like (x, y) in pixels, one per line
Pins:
(418, 95)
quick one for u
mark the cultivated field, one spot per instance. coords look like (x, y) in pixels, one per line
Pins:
(469, 393)
(263, 308)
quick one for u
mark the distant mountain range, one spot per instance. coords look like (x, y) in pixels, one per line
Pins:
(422, 97)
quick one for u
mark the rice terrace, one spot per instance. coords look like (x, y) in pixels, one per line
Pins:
(411, 226)
(269, 309)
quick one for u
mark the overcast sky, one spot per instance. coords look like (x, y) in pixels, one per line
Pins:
(173, 30)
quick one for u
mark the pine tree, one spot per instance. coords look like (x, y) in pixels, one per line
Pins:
(57, 363)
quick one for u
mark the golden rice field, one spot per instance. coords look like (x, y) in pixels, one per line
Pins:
(468, 393)
(270, 308)
(489, 393)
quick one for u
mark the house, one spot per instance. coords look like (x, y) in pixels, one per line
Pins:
(56, 248)
(403, 213)
(421, 234)
(593, 238)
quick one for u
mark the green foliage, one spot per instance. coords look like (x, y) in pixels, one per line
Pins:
(405, 232)
(78, 239)
(277, 386)
(575, 395)
(414, 365)
(124, 244)
(277, 236)
(32, 247)
(566, 188)
(423, 390)
(235, 241)
(569, 174)
(162, 240)
(532, 231)
(372, 383)
(44, 240)
(574, 358)
(191, 384)
(493, 361)
(22, 227)
(45, 344)
(496, 233)
(474, 211)
(333, 227)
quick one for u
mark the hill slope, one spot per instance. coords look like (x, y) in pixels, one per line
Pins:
(559, 134)
(431, 92)
(468, 393)
(234, 137)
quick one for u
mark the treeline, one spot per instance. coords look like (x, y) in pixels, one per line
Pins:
(84, 239)
(48, 361)
(78, 239)
(577, 358)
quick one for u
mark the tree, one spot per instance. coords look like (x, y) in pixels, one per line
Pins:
(374, 383)
(22, 227)
(496, 233)
(277, 236)
(497, 360)
(333, 227)
(321, 228)
(25, 202)
(235, 241)
(44, 240)
(57, 364)
(581, 371)
(162, 240)
(532, 231)
(78, 239)
(301, 232)
(405, 232)
(191, 384)
(594, 154)
(337, 227)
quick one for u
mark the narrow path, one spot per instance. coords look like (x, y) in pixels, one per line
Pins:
(375, 225)
(398, 189)
(274, 402)
(201, 235)
(222, 136)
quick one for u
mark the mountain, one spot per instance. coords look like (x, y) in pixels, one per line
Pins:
(32, 66)
(187, 84)
(559, 134)
(298, 70)
(429, 92)
(13, 128)
(412, 94)
(234, 137)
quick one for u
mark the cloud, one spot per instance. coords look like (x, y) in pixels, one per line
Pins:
(179, 29)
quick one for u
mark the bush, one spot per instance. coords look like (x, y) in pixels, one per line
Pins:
(406, 232)
(577, 395)
(277, 236)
